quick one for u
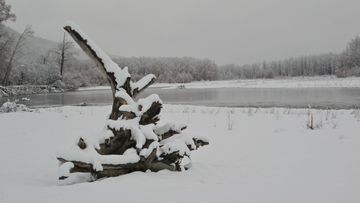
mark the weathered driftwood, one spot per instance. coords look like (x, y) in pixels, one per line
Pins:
(117, 101)
(122, 138)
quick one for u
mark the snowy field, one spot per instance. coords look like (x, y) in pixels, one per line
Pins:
(270, 155)
(291, 82)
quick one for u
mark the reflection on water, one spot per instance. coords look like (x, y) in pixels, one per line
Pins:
(336, 98)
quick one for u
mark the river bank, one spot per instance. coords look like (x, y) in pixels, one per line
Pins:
(287, 82)
(28, 89)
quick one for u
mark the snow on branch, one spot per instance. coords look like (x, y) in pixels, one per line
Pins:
(110, 66)
(117, 77)
(143, 83)
(169, 130)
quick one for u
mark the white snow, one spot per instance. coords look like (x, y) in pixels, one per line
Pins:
(148, 101)
(122, 94)
(160, 130)
(131, 108)
(64, 169)
(269, 156)
(148, 131)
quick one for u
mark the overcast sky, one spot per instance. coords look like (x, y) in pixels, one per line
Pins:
(226, 31)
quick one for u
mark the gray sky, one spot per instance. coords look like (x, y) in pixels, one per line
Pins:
(226, 31)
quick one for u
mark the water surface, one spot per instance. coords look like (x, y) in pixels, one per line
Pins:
(335, 98)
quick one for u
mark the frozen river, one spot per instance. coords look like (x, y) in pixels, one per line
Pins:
(335, 98)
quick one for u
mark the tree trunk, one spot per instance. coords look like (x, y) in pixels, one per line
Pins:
(62, 55)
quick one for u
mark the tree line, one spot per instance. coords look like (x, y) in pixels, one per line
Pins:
(170, 69)
(322, 64)
(59, 67)
(345, 64)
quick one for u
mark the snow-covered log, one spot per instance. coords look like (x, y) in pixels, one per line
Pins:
(131, 140)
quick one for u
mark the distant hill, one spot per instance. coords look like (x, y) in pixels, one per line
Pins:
(37, 46)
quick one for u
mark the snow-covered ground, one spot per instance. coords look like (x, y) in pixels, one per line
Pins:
(291, 82)
(268, 156)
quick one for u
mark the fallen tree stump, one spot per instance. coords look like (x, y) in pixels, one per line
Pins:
(132, 140)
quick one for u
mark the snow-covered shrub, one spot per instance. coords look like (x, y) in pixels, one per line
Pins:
(58, 84)
(230, 117)
(356, 114)
(71, 81)
(250, 111)
(334, 123)
(10, 106)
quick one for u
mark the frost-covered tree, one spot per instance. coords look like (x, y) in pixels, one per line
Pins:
(16, 52)
(349, 64)
(6, 40)
(46, 58)
(65, 52)
(132, 140)
(5, 12)
(321, 64)
(34, 74)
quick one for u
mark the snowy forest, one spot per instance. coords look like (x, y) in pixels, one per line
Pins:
(22, 62)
